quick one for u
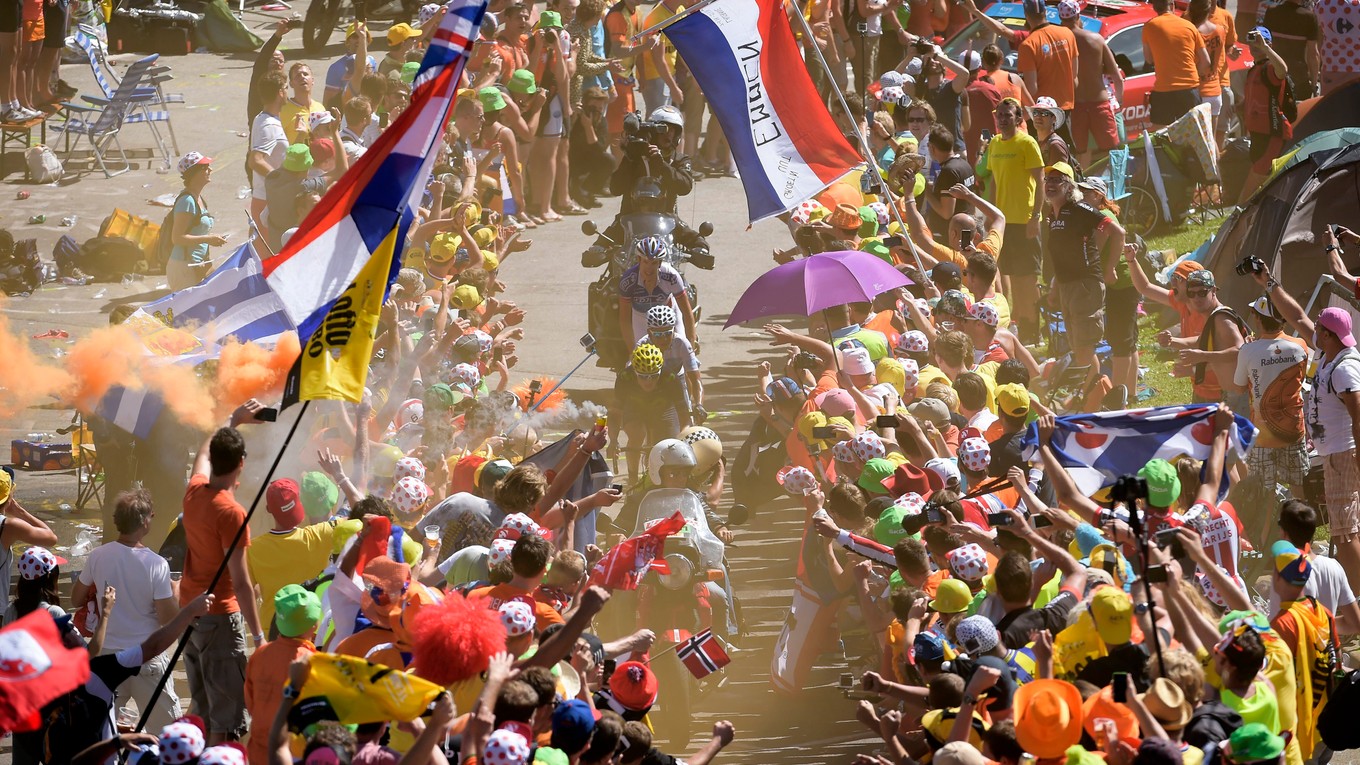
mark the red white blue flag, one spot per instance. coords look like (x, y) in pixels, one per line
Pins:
(1098, 448)
(786, 145)
(703, 655)
(377, 197)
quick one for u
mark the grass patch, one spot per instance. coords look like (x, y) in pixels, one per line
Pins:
(1159, 361)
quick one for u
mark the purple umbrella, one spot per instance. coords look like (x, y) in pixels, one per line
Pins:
(809, 285)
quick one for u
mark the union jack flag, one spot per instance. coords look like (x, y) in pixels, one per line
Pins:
(703, 655)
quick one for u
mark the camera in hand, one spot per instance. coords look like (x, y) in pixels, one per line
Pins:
(823, 432)
(1253, 35)
(1250, 265)
(933, 513)
(1128, 488)
(1168, 539)
(885, 421)
(1157, 574)
(1000, 519)
(639, 135)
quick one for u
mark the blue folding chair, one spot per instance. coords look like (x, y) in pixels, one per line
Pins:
(149, 112)
(100, 121)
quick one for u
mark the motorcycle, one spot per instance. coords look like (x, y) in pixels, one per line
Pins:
(602, 299)
(677, 604)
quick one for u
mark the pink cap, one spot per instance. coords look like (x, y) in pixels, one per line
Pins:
(835, 403)
(1338, 322)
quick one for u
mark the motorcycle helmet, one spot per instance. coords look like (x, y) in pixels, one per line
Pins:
(647, 359)
(661, 317)
(706, 445)
(651, 247)
(668, 115)
(669, 453)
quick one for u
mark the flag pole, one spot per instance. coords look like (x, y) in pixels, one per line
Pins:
(221, 569)
(657, 27)
(863, 141)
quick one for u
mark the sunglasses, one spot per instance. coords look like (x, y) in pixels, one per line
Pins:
(661, 332)
(1055, 181)
(1196, 293)
(652, 376)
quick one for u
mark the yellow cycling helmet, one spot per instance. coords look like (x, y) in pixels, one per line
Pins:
(647, 359)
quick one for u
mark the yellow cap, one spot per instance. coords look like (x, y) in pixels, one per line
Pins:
(444, 247)
(1012, 399)
(951, 597)
(490, 260)
(1063, 168)
(6, 486)
(890, 370)
(466, 297)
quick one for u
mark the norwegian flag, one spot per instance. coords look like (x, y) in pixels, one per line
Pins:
(1098, 448)
(626, 564)
(703, 655)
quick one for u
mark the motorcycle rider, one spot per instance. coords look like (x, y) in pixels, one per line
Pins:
(680, 360)
(672, 464)
(656, 156)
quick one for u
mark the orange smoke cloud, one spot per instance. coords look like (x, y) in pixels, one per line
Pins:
(106, 357)
(25, 379)
(247, 371)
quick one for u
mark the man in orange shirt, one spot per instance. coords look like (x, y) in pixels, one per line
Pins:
(1174, 49)
(1048, 58)
(510, 46)
(212, 517)
(529, 560)
(620, 24)
(297, 612)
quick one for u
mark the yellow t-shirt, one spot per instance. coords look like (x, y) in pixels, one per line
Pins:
(649, 71)
(297, 120)
(1003, 309)
(293, 557)
(1011, 163)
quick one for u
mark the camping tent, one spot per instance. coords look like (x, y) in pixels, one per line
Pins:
(1339, 108)
(1285, 223)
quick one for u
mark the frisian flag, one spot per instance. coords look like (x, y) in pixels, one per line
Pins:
(1098, 448)
(702, 654)
(746, 61)
(630, 560)
(189, 326)
(336, 270)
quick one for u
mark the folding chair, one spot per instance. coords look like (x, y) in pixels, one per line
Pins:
(148, 113)
(101, 122)
(89, 473)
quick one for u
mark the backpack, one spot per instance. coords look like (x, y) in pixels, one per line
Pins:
(1335, 724)
(1212, 722)
(1206, 336)
(72, 723)
(1288, 105)
(20, 268)
(43, 165)
(165, 242)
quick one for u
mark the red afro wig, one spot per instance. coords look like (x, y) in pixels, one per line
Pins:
(455, 640)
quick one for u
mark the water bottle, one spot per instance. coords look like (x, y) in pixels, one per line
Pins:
(243, 192)
(68, 221)
(85, 542)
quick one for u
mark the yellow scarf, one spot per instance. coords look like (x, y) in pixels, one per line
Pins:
(1314, 663)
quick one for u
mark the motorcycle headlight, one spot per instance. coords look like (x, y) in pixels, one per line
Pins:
(682, 572)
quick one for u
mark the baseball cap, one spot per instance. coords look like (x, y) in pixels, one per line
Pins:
(465, 297)
(952, 596)
(296, 610)
(1094, 183)
(400, 33)
(572, 724)
(1264, 33)
(353, 27)
(1263, 306)
(1068, 9)
(1254, 742)
(835, 402)
(298, 158)
(952, 303)
(1061, 168)
(284, 502)
(1012, 399)
(319, 495)
(890, 79)
(1201, 278)
(948, 273)
(931, 409)
(6, 486)
(1034, 8)
(1112, 612)
(928, 646)
(1164, 485)
(958, 753)
(872, 476)
(1290, 563)
(1338, 322)
(322, 150)
(191, 160)
(1185, 268)
(492, 472)
(977, 635)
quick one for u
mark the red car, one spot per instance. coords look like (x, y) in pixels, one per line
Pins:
(1120, 22)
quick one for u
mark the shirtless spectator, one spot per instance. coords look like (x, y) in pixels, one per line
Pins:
(1094, 130)
(1214, 351)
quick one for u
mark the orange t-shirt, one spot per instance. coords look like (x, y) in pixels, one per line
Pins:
(1174, 43)
(264, 686)
(1224, 20)
(882, 322)
(1211, 85)
(1051, 53)
(504, 593)
(211, 519)
(361, 643)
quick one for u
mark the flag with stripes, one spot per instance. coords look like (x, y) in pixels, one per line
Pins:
(703, 655)
(335, 271)
(189, 326)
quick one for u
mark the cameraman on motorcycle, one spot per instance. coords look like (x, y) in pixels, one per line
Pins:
(655, 155)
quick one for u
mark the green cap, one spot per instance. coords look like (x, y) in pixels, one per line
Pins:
(409, 70)
(876, 248)
(550, 20)
(888, 528)
(549, 756)
(319, 495)
(492, 472)
(298, 158)
(1164, 486)
(1256, 620)
(875, 470)
(440, 397)
(1254, 742)
(493, 100)
(296, 610)
(522, 82)
(868, 225)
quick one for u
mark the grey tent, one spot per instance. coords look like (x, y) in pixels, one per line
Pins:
(1285, 224)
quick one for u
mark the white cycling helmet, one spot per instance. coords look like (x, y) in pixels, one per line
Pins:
(651, 247)
(668, 115)
(669, 452)
(662, 317)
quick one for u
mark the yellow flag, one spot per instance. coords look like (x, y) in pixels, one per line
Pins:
(360, 691)
(334, 362)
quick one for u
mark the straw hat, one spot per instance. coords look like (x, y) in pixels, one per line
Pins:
(1166, 701)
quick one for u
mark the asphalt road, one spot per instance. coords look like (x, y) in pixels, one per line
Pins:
(547, 280)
